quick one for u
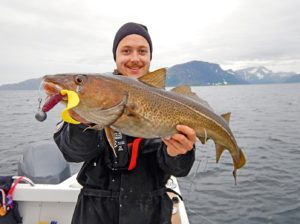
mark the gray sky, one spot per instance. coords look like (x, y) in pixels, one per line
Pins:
(40, 37)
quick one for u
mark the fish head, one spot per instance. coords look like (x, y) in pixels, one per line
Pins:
(95, 91)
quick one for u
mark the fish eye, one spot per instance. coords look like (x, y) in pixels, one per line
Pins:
(80, 79)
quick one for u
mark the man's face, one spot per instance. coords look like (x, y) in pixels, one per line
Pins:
(133, 56)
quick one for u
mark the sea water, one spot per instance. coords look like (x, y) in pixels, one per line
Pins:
(265, 120)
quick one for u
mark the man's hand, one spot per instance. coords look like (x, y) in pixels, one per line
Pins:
(182, 142)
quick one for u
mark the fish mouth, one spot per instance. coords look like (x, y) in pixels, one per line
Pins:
(51, 89)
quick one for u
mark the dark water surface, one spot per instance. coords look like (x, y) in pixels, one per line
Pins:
(266, 123)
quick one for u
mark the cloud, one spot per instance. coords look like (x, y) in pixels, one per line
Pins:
(39, 36)
(259, 31)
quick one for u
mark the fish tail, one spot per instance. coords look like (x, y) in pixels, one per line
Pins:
(241, 161)
(234, 176)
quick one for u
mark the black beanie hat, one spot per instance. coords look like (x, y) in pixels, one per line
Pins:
(131, 28)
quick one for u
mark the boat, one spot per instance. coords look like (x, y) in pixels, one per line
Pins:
(48, 195)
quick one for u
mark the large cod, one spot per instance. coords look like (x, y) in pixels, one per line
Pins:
(143, 108)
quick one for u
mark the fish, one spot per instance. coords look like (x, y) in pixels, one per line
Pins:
(142, 107)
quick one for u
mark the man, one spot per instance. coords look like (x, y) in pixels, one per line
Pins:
(112, 192)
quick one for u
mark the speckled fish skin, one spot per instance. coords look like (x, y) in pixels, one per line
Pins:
(140, 109)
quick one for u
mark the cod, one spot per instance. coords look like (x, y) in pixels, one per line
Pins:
(142, 107)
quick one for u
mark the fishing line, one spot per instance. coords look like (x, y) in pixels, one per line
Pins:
(40, 115)
(206, 219)
(192, 181)
(40, 99)
(192, 190)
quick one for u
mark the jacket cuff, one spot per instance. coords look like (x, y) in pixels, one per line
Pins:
(179, 165)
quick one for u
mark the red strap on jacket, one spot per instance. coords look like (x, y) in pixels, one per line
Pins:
(134, 153)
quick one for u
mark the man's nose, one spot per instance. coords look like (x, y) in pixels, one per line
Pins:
(135, 56)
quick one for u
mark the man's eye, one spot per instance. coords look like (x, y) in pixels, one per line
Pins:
(143, 51)
(126, 51)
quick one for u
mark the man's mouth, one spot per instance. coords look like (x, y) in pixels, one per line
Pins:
(134, 70)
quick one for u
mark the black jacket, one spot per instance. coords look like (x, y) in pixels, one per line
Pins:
(120, 196)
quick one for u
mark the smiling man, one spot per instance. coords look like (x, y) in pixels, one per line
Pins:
(114, 190)
(132, 50)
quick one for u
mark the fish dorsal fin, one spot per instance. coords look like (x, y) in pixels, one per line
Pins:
(183, 89)
(156, 78)
(186, 91)
(226, 116)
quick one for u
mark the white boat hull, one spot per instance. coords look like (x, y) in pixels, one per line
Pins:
(44, 203)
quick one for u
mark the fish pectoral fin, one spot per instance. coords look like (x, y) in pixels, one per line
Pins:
(156, 78)
(132, 120)
(226, 116)
(130, 109)
(219, 150)
(133, 115)
(104, 117)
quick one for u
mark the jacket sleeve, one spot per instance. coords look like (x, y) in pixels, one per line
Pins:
(76, 143)
(177, 166)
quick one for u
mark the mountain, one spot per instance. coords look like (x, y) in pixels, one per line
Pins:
(200, 73)
(30, 84)
(260, 75)
(292, 79)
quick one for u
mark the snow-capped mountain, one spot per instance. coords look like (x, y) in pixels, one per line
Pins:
(200, 73)
(261, 74)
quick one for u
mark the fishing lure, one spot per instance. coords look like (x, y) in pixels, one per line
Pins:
(41, 115)
(72, 101)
